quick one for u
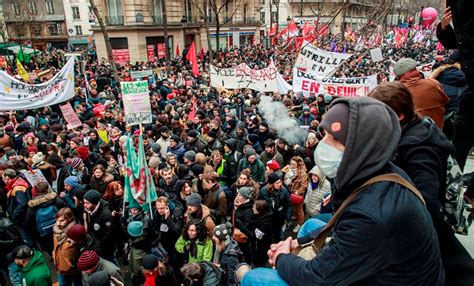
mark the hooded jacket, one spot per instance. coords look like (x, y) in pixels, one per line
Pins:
(36, 272)
(314, 196)
(257, 169)
(18, 194)
(428, 96)
(454, 83)
(229, 260)
(385, 236)
(178, 151)
(99, 223)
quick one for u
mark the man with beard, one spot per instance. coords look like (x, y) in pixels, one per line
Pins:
(167, 183)
(264, 133)
(271, 153)
(194, 142)
(221, 135)
(98, 219)
(164, 140)
(213, 143)
(176, 148)
(196, 210)
(257, 168)
(240, 134)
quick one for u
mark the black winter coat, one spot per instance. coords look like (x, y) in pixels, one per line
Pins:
(100, 225)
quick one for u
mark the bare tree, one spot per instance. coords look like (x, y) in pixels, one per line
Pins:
(108, 46)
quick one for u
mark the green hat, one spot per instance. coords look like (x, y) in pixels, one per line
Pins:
(135, 228)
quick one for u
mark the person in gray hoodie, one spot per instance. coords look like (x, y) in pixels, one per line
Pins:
(385, 236)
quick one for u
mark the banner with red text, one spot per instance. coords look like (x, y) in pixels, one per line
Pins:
(242, 76)
(347, 87)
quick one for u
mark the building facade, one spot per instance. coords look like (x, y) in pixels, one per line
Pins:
(39, 23)
(136, 27)
(79, 21)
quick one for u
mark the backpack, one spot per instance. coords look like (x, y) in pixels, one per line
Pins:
(228, 195)
(456, 212)
(45, 219)
(220, 273)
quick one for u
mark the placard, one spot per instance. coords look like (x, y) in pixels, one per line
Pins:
(136, 102)
(70, 116)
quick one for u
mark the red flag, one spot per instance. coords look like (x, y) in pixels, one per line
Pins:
(177, 50)
(292, 29)
(201, 55)
(307, 29)
(191, 56)
(272, 31)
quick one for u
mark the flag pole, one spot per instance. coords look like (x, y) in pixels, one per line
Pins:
(149, 203)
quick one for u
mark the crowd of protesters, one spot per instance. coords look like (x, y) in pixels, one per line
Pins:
(229, 187)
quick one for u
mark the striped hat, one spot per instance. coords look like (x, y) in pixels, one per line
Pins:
(88, 260)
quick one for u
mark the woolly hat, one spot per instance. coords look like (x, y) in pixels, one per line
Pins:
(223, 231)
(193, 133)
(197, 170)
(135, 228)
(403, 66)
(32, 149)
(55, 160)
(77, 232)
(82, 152)
(38, 158)
(212, 133)
(150, 262)
(311, 135)
(88, 260)
(175, 138)
(194, 199)
(190, 155)
(232, 113)
(99, 278)
(250, 152)
(93, 197)
(273, 165)
(76, 140)
(10, 153)
(252, 138)
(156, 148)
(327, 98)
(273, 177)
(42, 121)
(74, 162)
(245, 192)
(71, 181)
(20, 252)
(336, 122)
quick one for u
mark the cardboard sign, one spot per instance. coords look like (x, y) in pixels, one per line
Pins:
(70, 116)
(376, 55)
(34, 176)
(136, 102)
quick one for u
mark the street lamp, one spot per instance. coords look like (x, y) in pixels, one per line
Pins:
(184, 21)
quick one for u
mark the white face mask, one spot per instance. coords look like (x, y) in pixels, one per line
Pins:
(328, 159)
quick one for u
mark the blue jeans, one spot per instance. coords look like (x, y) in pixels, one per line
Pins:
(69, 280)
(262, 277)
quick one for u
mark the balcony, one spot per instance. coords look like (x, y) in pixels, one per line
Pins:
(114, 20)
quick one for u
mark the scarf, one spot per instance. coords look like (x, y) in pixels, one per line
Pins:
(193, 249)
(60, 234)
(150, 279)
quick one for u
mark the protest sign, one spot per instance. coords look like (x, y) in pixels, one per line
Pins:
(70, 116)
(318, 62)
(136, 102)
(34, 176)
(242, 76)
(425, 69)
(141, 74)
(17, 95)
(347, 87)
(376, 55)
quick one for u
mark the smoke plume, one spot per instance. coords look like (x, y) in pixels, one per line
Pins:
(276, 115)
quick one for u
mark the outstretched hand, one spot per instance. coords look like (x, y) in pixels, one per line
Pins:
(447, 17)
(283, 247)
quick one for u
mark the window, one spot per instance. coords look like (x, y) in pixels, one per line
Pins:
(16, 8)
(188, 10)
(274, 17)
(49, 7)
(245, 13)
(78, 30)
(115, 8)
(75, 13)
(32, 8)
(262, 17)
(55, 29)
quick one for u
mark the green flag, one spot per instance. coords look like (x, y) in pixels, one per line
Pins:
(139, 186)
(19, 56)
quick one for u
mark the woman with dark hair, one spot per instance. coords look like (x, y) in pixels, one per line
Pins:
(195, 242)
(295, 179)
(100, 178)
(172, 162)
(184, 189)
(94, 141)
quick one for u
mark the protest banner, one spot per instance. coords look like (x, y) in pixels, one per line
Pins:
(317, 62)
(347, 87)
(70, 116)
(34, 176)
(136, 102)
(242, 76)
(141, 74)
(17, 95)
(376, 55)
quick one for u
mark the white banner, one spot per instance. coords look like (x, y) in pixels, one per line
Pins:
(17, 95)
(318, 62)
(425, 69)
(136, 102)
(347, 87)
(242, 76)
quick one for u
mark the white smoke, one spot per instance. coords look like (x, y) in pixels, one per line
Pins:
(276, 115)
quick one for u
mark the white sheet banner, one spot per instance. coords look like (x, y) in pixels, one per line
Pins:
(136, 102)
(318, 62)
(242, 76)
(347, 87)
(17, 95)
